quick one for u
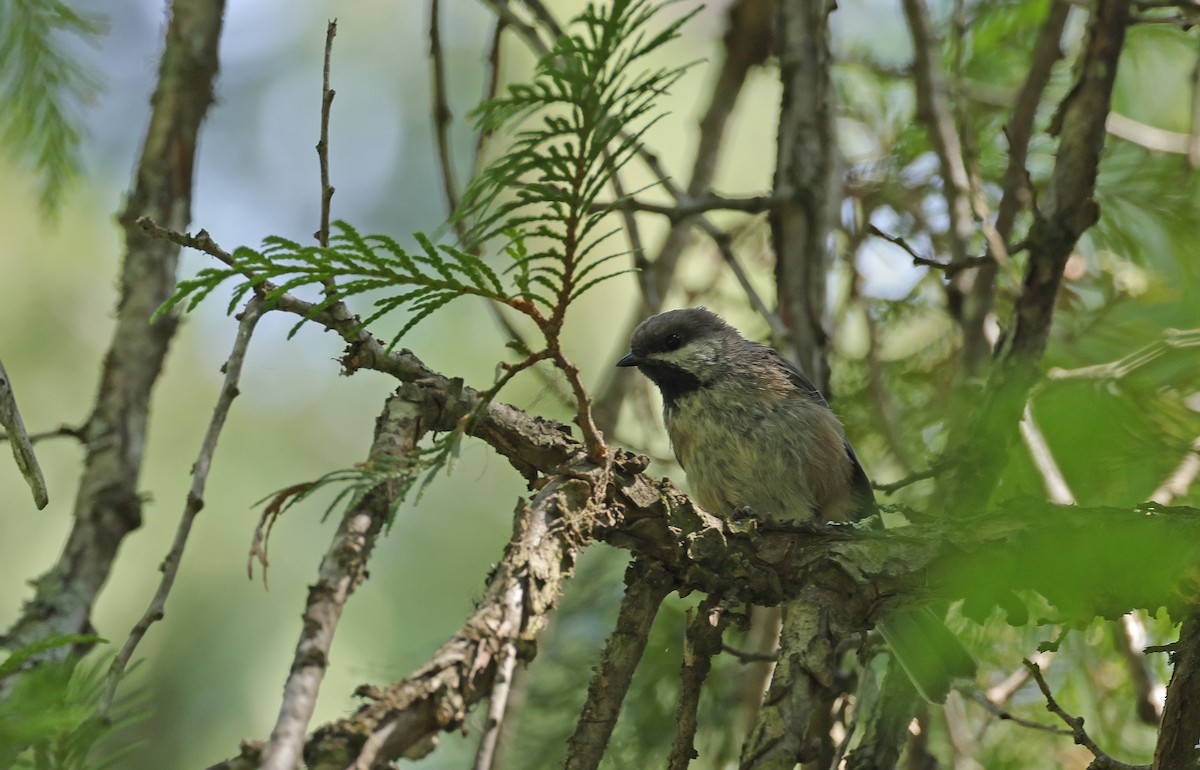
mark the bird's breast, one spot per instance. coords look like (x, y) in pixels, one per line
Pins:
(779, 457)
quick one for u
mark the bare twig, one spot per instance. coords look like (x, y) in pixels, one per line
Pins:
(950, 269)
(702, 641)
(327, 95)
(724, 244)
(747, 656)
(933, 109)
(1129, 637)
(1184, 475)
(933, 470)
(1151, 137)
(685, 207)
(1102, 760)
(1019, 130)
(442, 116)
(62, 431)
(636, 250)
(1002, 713)
(1173, 339)
(485, 755)
(1004, 690)
(18, 438)
(195, 500)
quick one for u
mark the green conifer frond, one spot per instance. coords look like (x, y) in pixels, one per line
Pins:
(578, 122)
(40, 84)
(581, 120)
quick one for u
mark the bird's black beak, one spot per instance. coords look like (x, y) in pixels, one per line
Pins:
(629, 360)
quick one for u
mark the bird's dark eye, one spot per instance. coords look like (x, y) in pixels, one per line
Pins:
(673, 342)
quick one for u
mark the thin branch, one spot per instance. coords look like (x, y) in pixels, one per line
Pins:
(1102, 760)
(1129, 637)
(327, 95)
(746, 656)
(1172, 339)
(62, 431)
(633, 233)
(685, 207)
(701, 642)
(525, 30)
(933, 109)
(19, 440)
(646, 587)
(1057, 488)
(724, 244)
(195, 500)
(343, 568)
(1004, 714)
(493, 84)
(489, 739)
(1019, 129)
(1151, 137)
(442, 117)
(950, 269)
(932, 471)
(1004, 690)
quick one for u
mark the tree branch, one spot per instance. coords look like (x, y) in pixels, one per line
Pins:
(19, 440)
(397, 431)
(645, 588)
(195, 500)
(403, 719)
(804, 165)
(701, 642)
(1102, 761)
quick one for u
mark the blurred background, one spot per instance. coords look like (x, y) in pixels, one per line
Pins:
(213, 668)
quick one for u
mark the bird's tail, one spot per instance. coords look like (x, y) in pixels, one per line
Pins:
(932, 656)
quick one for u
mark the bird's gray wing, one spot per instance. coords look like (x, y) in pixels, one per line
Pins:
(864, 494)
(794, 375)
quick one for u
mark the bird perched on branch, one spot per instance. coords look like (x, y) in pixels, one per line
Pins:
(752, 432)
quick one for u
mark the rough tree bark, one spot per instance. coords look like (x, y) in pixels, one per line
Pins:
(806, 158)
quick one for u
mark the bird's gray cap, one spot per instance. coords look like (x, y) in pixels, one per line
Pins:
(672, 330)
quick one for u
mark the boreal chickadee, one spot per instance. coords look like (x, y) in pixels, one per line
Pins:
(752, 431)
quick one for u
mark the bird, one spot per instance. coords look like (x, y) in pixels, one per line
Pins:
(753, 434)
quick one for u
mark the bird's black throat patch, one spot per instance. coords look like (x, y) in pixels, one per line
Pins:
(671, 380)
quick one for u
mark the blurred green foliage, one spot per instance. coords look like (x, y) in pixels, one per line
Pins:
(49, 715)
(42, 85)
